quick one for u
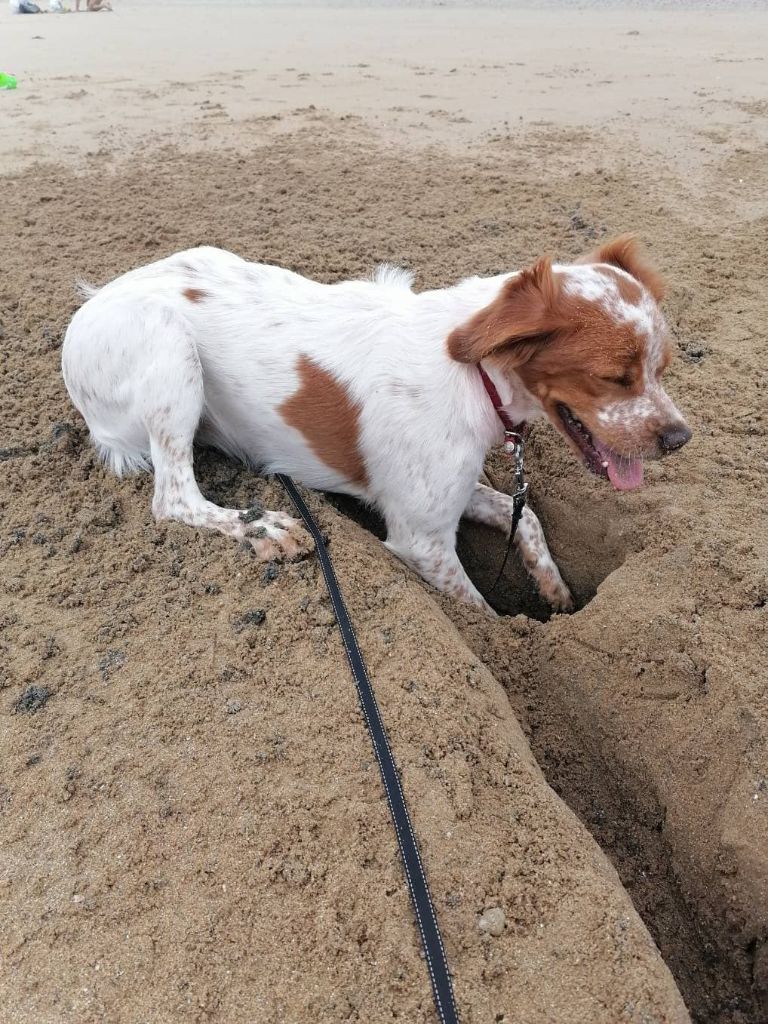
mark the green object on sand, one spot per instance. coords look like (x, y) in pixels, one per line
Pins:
(7, 81)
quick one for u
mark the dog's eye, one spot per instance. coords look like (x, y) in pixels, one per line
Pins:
(625, 381)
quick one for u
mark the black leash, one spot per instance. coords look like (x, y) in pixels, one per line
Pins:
(431, 940)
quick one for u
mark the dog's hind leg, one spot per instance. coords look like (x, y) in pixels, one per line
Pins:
(173, 407)
(495, 509)
(272, 535)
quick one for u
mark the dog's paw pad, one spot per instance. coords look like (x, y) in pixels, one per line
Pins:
(277, 537)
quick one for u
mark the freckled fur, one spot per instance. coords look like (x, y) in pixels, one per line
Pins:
(363, 387)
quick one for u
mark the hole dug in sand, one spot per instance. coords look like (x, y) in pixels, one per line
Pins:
(587, 526)
(587, 546)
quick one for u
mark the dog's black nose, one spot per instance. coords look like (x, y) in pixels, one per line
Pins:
(673, 439)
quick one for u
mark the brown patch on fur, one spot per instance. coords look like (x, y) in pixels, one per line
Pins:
(596, 359)
(624, 252)
(323, 412)
(527, 308)
(194, 294)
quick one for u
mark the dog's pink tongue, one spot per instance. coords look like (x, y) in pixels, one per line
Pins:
(624, 471)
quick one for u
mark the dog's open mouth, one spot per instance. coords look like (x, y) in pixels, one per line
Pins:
(624, 471)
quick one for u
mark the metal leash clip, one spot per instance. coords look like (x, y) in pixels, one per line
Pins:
(514, 446)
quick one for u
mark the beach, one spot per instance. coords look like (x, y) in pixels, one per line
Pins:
(672, 83)
(193, 824)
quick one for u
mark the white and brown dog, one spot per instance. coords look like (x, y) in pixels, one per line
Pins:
(368, 388)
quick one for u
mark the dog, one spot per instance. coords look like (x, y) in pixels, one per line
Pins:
(368, 388)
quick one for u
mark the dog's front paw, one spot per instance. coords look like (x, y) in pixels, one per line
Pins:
(556, 593)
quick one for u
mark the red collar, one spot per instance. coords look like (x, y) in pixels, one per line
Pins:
(493, 394)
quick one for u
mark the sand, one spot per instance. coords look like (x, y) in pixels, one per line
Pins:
(193, 828)
(674, 81)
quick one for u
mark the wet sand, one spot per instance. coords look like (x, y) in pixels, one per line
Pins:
(670, 82)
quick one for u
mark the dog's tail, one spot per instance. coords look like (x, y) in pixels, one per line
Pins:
(390, 276)
(85, 290)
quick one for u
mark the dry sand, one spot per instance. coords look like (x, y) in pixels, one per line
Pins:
(193, 828)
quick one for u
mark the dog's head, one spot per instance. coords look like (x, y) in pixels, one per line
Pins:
(590, 344)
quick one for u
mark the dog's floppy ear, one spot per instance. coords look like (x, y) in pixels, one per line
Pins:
(625, 253)
(523, 314)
